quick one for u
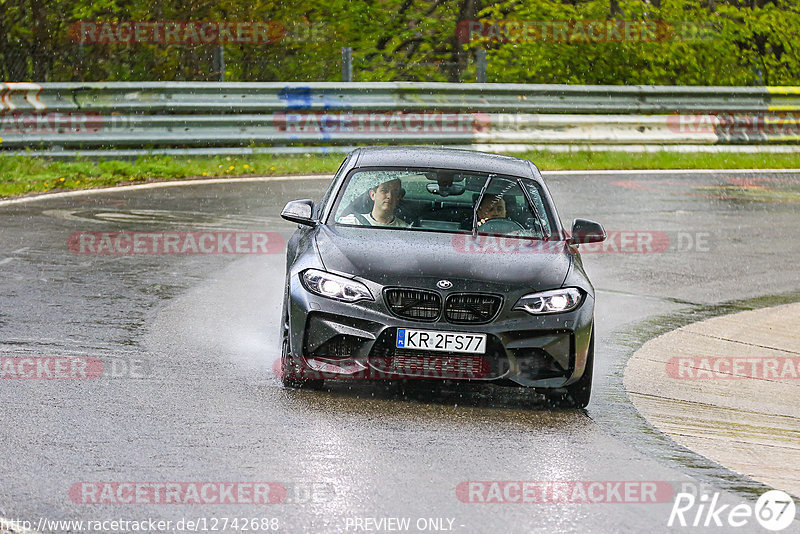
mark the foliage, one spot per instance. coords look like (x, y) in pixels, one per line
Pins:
(741, 42)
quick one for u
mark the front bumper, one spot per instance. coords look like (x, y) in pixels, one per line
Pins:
(338, 340)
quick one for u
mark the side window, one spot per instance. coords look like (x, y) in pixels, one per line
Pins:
(320, 207)
(536, 196)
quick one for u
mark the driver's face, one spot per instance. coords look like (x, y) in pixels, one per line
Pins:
(387, 195)
(492, 208)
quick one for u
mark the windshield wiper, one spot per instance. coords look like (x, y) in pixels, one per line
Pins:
(534, 209)
(478, 203)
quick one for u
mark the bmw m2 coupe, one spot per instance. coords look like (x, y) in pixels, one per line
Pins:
(438, 264)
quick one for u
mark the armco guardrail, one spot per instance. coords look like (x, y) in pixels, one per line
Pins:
(58, 116)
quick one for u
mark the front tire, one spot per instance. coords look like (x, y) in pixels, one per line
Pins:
(581, 391)
(577, 395)
(290, 375)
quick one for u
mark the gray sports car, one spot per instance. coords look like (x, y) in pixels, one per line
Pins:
(438, 264)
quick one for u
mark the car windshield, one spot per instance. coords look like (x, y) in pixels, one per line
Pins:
(444, 201)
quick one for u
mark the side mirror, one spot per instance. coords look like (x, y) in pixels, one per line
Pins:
(300, 211)
(585, 231)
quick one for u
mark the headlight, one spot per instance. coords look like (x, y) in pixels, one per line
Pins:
(334, 286)
(556, 301)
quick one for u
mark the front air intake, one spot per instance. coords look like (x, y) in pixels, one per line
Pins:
(465, 308)
(415, 304)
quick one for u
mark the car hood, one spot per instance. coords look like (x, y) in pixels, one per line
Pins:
(402, 257)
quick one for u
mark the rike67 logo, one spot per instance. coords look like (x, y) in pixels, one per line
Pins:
(774, 510)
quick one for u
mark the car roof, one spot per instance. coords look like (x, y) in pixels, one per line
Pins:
(442, 158)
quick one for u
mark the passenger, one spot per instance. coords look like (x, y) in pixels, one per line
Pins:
(492, 207)
(385, 197)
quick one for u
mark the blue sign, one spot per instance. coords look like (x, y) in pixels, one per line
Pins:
(401, 337)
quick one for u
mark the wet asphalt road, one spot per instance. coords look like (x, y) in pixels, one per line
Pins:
(192, 340)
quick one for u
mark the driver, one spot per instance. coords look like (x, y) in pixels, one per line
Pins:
(385, 197)
(491, 207)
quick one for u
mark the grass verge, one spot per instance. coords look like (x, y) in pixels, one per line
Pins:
(20, 175)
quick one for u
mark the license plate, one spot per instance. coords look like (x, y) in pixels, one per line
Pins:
(441, 341)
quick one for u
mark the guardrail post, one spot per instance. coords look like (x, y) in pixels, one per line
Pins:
(481, 56)
(218, 67)
(347, 63)
(78, 64)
